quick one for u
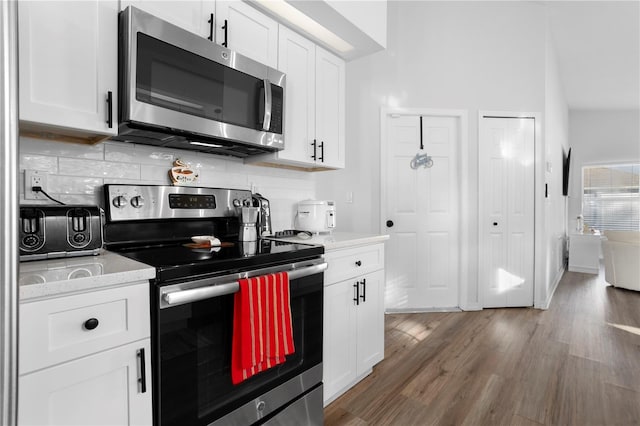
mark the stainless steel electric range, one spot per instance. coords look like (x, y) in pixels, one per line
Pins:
(192, 306)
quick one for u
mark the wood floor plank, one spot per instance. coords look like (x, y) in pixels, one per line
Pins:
(577, 363)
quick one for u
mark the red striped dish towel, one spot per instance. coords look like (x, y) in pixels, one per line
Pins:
(262, 329)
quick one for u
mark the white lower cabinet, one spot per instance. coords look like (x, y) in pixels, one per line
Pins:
(353, 317)
(85, 359)
(101, 389)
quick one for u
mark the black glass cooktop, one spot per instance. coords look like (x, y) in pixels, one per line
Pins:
(180, 261)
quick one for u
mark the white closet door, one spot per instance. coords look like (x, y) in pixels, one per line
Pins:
(423, 251)
(506, 194)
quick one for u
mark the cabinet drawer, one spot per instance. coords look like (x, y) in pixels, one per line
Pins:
(60, 329)
(352, 262)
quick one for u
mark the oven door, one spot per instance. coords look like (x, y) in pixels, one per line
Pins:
(192, 345)
(173, 79)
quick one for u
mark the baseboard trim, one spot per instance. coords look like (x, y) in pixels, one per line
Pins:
(421, 310)
(545, 305)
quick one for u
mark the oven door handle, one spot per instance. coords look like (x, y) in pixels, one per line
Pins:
(180, 297)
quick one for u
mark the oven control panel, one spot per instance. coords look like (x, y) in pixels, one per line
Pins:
(144, 202)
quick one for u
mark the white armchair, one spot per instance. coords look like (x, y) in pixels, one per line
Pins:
(621, 251)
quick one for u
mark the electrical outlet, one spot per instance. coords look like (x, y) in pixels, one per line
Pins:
(34, 178)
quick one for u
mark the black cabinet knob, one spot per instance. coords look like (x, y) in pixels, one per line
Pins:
(91, 323)
(358, 263)
(495, 223)
(389, 223)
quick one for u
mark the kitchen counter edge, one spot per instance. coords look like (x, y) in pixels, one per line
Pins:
(43, 279)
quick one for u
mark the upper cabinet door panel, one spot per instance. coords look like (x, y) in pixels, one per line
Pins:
(248, 32)
(191, 15)
(68, 63)
(330, 104)
(296, 58)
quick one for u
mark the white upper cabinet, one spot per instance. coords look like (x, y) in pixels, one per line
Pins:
(68, 55)
(314, 105)
(330, 114)
(247, 31)
(297, 60)
(191, 15)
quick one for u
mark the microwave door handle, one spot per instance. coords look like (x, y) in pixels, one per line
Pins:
(266, 121)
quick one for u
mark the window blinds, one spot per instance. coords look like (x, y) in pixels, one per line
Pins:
(611, 197)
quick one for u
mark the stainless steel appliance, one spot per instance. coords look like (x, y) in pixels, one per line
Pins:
(50, 231)
(317, 216)
(264, 214)
(180, 90)
(248, 217)
(192, 306)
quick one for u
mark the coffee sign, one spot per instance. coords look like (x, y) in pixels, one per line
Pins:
(182, 174)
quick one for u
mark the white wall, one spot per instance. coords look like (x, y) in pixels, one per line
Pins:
(372, 22)
(556, 136)
(77, 173)
(453, 55)
(599, 137)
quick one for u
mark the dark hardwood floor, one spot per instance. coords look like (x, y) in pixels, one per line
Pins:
(577, 363)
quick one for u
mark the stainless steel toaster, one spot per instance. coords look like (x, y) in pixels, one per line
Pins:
(50, 231)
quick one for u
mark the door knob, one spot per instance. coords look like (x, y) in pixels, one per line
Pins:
(389, 223)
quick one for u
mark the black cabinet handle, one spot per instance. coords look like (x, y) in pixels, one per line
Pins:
(91, 323)
(110, 109)
(421, 143)
(358, 263)
(143, 371)
(356, 299)
(321, 151)
(315, 146)
(210, 21)
(226, 39)
(389, 223)
(363, 296)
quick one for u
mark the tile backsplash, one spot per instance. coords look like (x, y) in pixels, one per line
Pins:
(77, 172)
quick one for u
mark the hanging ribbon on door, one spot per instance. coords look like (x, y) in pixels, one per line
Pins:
(421, 158)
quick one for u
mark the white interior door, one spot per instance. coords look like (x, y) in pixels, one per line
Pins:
(422, 213)
(506, 223)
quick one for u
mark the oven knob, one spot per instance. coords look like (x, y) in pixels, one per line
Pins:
(236, 203)
(246, 202)
(137, 201)
(120, 201)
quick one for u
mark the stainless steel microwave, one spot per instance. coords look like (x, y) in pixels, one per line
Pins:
(180, 90)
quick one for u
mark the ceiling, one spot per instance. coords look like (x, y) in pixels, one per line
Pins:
(598, 49)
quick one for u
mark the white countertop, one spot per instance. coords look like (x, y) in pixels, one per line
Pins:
(338, 240)
(54, 277)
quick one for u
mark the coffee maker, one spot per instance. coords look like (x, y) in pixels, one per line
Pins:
(264, 215)
(248, 216)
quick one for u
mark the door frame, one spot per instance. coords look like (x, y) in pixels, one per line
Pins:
(538, 201)
(463, 198)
